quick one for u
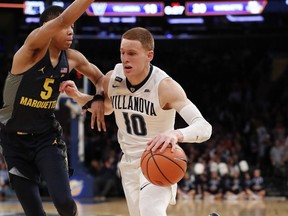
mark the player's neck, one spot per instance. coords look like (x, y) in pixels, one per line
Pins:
(134, 86)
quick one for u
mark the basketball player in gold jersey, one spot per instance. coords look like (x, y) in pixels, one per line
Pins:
(145, 101)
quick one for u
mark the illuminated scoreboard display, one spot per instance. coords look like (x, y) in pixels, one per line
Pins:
(162, 8)
(188, 8)
(126, 9)
(192, 8)
(200, 8)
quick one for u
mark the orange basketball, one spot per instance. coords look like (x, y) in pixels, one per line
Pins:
(164, 168)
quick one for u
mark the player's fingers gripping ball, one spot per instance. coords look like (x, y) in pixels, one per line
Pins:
(164, 168)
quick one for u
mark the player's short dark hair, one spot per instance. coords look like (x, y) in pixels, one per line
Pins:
(50, 13)
(141, 34)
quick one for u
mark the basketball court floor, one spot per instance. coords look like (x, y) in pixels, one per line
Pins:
(117, 207)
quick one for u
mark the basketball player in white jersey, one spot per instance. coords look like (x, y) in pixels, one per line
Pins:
(145, 101)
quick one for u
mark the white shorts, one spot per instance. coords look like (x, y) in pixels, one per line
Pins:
(144, 198)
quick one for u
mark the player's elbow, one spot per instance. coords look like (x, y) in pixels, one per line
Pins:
(204, 133)
(207, 132)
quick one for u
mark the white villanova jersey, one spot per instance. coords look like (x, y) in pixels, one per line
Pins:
(138, 114)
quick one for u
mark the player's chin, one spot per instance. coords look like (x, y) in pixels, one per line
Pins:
(128, 73)
(66, 47)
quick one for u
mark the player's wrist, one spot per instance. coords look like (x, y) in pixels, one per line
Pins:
(179, 135)
(96, 97)
(77, 96)
(100, 92)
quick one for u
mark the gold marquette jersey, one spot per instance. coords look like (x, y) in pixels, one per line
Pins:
(138, 114)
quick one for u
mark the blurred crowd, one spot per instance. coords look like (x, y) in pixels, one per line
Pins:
(241, 90)
(221, 182)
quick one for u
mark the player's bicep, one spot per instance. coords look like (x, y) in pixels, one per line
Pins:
(83, 66)
(172, 95)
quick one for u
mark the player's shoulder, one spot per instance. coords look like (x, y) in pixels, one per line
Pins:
(168, 82)
(109, 74)
(73, 52)
(75, 56)
(170, 90)
(118, 68)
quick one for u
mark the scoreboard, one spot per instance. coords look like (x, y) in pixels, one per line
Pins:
(126, 9)
(162, 8)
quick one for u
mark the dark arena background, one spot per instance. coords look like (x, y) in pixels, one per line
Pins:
(231, 58)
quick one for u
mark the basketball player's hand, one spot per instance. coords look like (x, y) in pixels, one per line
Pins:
(164, 140)
(96, 109)
(69, 87)
(97, 115)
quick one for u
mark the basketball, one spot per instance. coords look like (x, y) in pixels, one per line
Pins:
(164, 168)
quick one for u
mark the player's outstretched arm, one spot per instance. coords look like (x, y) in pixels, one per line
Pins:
(70, 88)
(41, 36)
(82, 65)
(38, 41)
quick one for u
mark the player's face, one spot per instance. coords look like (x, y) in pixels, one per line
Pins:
(64, 38)
(136, 60)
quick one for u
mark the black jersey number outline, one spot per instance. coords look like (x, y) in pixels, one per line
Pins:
(136, 123)
(48, 89)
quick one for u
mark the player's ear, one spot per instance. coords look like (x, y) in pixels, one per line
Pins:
(150, 55)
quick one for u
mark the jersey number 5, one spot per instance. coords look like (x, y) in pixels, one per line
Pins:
(48, 89)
